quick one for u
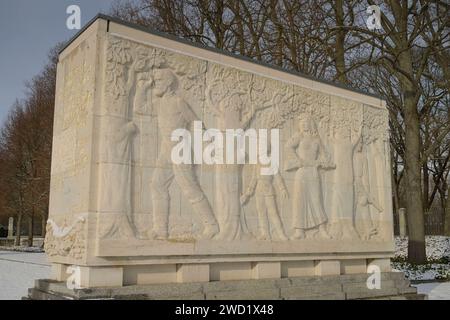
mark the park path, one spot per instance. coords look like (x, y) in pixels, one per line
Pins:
(18, 270)
(435, 290)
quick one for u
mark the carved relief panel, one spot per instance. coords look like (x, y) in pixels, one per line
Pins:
(327, 186)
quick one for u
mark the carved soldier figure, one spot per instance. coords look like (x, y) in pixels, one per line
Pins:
(308, 155)
(263, 188)
(175, 113)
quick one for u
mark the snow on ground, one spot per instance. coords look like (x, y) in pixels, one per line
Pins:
(18, 270)
(429, 271)
(437, 247)
(438, 254)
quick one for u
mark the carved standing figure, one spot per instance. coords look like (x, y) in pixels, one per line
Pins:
(263, 188)
(175, 113)
(343, 198)
(364, 200)
(231, 97)
(307, 155)
(117, 139)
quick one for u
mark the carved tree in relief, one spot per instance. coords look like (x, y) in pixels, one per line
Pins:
(123, 64)
(345, 136)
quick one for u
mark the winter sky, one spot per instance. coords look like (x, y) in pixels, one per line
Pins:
(28, 29)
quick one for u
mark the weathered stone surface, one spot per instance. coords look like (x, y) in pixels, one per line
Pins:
(300, 291)
(124, 212)
(367, 293)
(302, 288)
(326, 296)
(358, 286)
(261, 294)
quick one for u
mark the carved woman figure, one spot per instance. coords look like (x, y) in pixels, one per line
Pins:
(307, 156)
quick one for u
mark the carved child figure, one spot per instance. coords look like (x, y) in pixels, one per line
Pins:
(266, 206)
(175, 113)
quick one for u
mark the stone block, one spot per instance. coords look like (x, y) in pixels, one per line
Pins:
(383, 264)
(59, 272)
(266, 270)
(101, 276)
(230, 271)
(327, 267)
(351, 266)
(150, 274)
(297, 269)
(193, 272)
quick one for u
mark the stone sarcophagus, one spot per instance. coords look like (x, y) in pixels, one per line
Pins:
(178, 163)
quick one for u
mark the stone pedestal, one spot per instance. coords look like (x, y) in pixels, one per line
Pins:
(130, 207)
(393, 287)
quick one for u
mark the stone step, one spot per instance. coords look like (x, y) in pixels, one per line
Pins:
(263, 294)
(35, 294)
(329, 296)
(407, 290)
(361, 286)
(368, 293)
(312, 288)
(302, 291)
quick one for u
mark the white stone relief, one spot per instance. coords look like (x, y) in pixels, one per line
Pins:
(175, 113)
(330, 156)
(66, 240)
(366, 204)
(262, 187)
(344, 138)
(228, 100)
(118, 132)
(307, 156)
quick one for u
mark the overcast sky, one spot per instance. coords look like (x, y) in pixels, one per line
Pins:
(28, 29)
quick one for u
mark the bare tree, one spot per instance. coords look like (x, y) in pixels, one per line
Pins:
(25, 152)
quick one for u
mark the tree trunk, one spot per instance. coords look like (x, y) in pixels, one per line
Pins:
(339, 49)
(447, 215)
(414, 205)
(426, 187)
(18, 229)
(30, 229)
(43, 225)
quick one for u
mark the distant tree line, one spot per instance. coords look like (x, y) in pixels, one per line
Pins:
(25, 154)
(405, 62)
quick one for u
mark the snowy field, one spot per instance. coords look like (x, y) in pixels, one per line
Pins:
(438, 255)
(18, 270)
